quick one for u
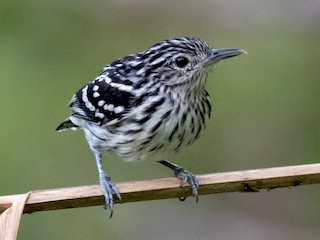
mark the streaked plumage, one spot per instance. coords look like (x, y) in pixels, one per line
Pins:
(148, 105)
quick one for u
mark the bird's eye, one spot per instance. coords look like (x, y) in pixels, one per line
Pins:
(181, 61)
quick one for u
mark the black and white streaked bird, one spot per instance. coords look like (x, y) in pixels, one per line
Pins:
(148, 106)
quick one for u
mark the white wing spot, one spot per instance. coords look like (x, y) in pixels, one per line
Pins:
(101, 103)
(96, 94)
(95, 88)
(108, 107)
(118, 109)
(122, 87)
(90, 106)
(99, 115)
(107, 80)
(84, 94)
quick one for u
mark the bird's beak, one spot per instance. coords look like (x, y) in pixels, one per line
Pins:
(219, 54)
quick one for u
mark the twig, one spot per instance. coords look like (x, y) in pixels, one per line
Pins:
(239, 181)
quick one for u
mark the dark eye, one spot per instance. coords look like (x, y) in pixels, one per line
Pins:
(181, 62)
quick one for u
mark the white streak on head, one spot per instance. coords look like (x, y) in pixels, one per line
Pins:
(139, 72)
(160, 59)
(134, 63)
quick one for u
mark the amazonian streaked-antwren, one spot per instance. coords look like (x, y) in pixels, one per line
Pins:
(147, 105)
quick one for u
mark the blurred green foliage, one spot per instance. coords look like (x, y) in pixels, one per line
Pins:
(266, 113)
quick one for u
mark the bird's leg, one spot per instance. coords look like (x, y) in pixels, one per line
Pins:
(108, 187)
(185, 175)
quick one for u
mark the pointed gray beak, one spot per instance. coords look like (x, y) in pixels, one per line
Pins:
(217, 55)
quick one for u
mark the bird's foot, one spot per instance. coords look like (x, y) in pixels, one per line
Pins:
(188, 177)
(108, 189)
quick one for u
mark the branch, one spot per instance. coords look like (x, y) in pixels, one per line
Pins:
(238, 181)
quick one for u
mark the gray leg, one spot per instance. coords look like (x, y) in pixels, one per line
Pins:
(108, 187)
(185, 175)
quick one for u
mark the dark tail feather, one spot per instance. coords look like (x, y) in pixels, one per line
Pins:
(65, 125)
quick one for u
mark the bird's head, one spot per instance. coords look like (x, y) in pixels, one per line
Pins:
(182, 62)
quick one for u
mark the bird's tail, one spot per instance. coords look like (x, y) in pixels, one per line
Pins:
(66, 124)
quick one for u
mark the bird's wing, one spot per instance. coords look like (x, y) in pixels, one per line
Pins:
(103, 101)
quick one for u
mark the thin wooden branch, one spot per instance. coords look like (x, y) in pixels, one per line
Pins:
(10, 218)
(238, 181)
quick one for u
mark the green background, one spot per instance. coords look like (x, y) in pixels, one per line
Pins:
(266, 113)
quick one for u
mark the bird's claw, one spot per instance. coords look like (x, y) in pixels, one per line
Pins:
(188, 177)
(108, 189)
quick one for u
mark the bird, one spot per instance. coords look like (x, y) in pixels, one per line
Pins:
(147, 106)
